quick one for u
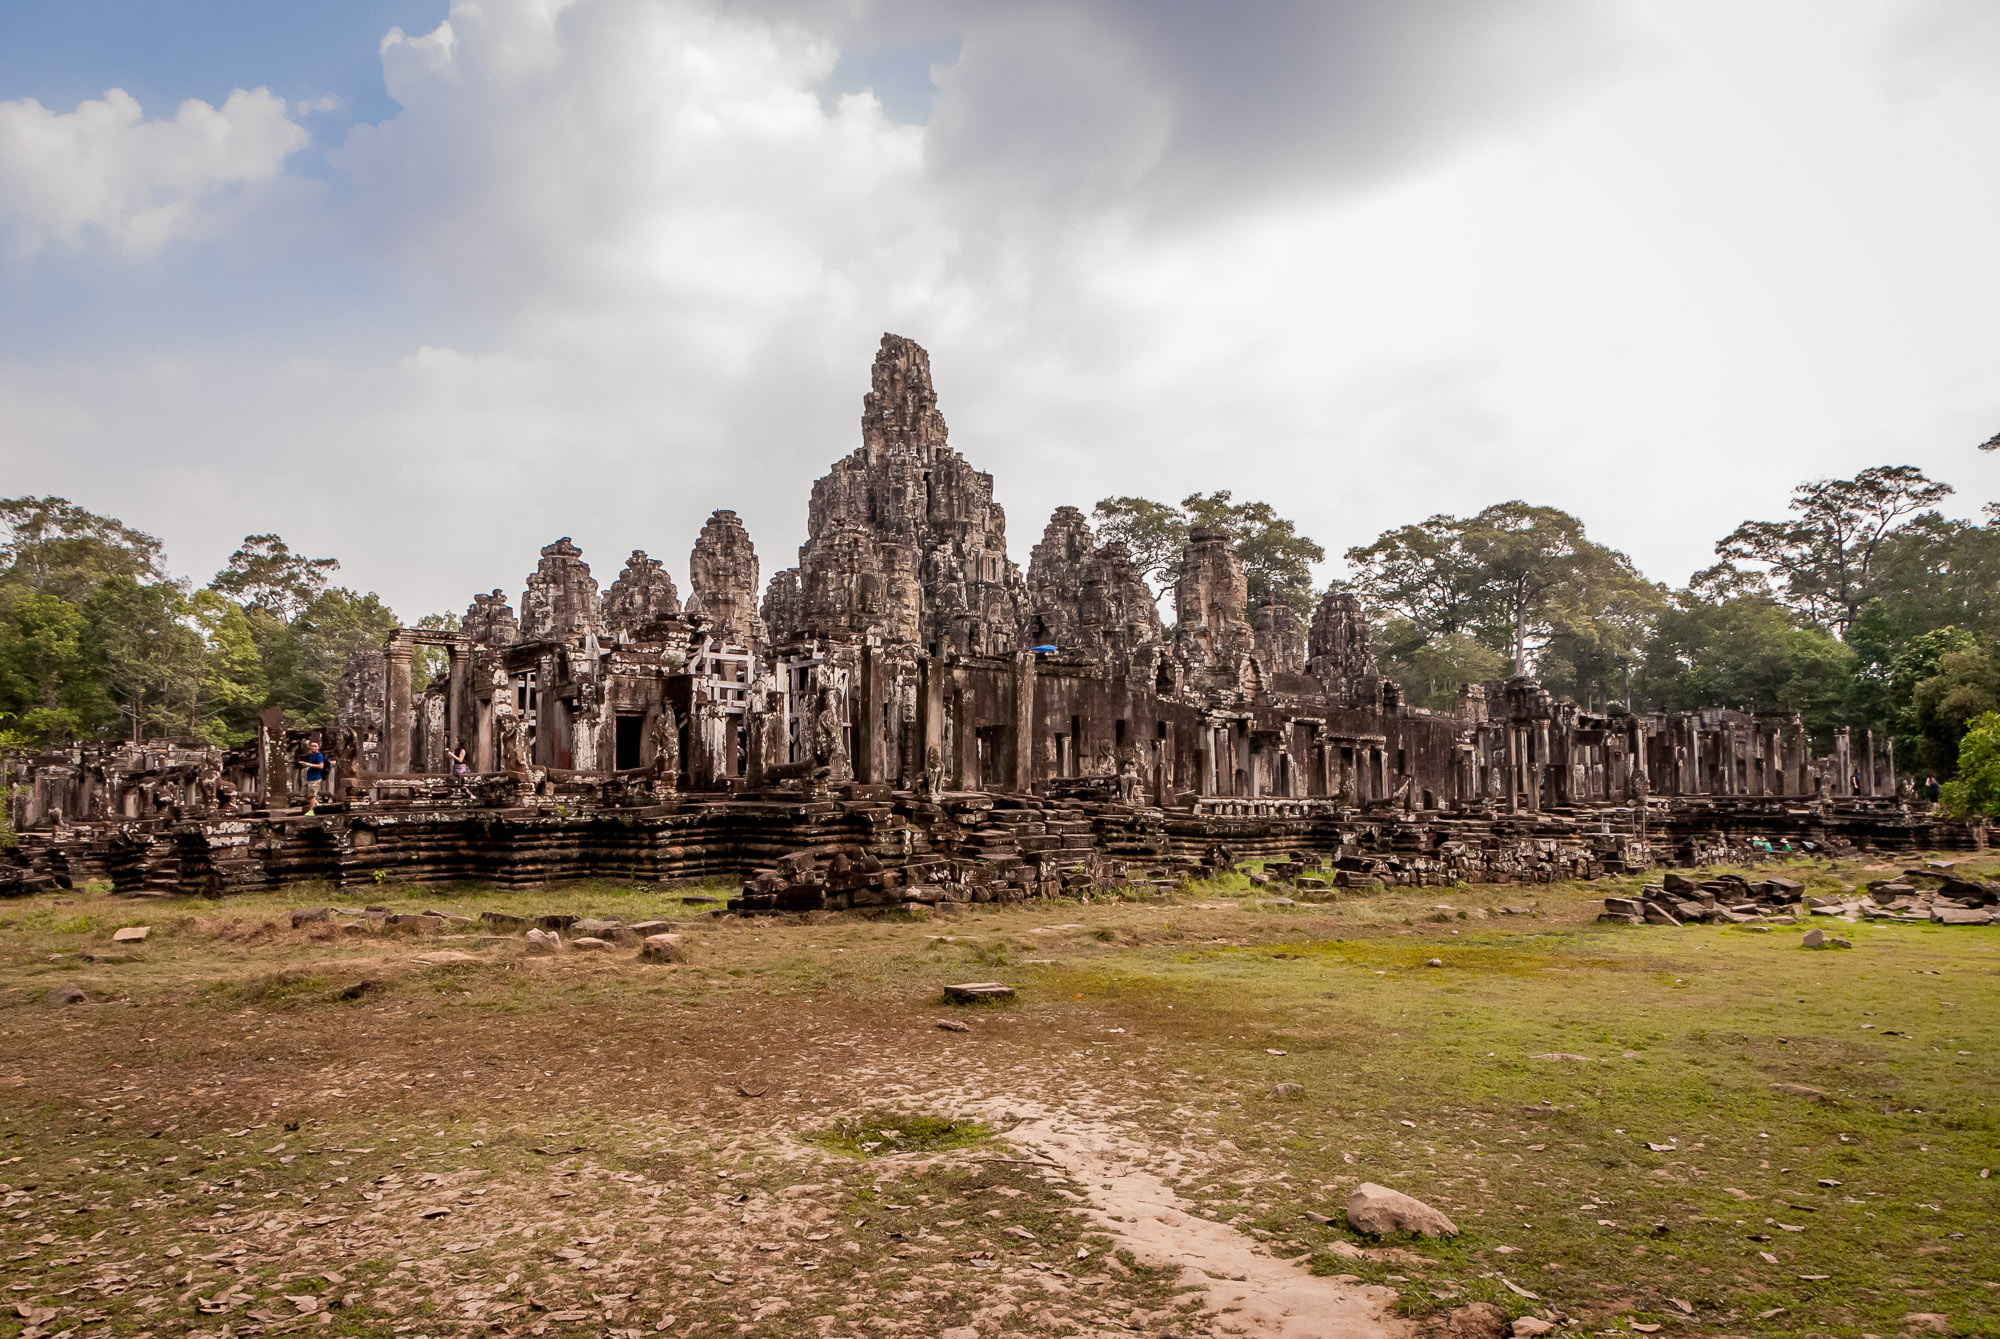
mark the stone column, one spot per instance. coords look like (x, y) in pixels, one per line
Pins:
(868, 716)
(930, 712)
(1868, 786)
(1889, 761)
(458, 713)
(481, 757)
(1843, 761)
(274, 766)
(396, 718)
(1022, 762)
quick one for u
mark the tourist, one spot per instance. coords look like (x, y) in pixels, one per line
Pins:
(315, 773)
(1932, 789)
(459, 767)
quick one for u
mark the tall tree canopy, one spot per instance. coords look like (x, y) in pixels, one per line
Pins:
(1824, 554)
(1277, 560)
(264, 574)
(97, 641)
(1523, 581)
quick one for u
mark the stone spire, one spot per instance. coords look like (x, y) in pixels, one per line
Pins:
(490, 621)
(561, 599)
(1337, 649)
(722, 574)
(642, 597)
(1280, 637)
(784, 607)
(1211, 598)
(900, 413)
(904, 540)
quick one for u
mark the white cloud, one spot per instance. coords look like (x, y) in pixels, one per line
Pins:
(106, 169)
(619, 265)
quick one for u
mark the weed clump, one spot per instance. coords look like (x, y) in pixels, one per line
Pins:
(878, 1134)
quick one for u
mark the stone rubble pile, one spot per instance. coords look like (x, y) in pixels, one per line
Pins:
(1727, 899)
(1931, 895)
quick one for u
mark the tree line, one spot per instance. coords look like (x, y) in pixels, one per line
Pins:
(98, 641)
(1861, 606)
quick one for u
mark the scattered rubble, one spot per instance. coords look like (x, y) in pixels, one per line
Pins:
(1930, 895)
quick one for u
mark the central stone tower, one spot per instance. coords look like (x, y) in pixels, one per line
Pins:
(904, 541)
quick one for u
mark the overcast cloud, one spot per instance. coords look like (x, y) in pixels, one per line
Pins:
(610, 264)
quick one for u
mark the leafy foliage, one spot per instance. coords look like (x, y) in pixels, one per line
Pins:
(96, 641)
(1277, 560)
(1519, 580)
(1975, 792)
(1824, 554)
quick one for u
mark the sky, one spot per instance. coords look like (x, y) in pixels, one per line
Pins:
(423, 285)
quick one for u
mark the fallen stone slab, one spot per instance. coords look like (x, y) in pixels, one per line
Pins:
(544, 941)
(590, 944)
(131, 934)
(1960, 916)
(69, 994)
(311, 914)
(1382, 1212)
(973, 992)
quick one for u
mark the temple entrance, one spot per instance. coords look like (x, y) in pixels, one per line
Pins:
(631, 729)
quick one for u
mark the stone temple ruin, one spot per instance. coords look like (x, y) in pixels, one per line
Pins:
(907, 716)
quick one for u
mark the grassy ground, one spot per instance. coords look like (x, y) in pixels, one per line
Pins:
(325, 1132)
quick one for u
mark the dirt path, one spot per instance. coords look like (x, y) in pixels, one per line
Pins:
(1250, 1293)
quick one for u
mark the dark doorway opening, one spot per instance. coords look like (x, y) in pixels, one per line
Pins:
(631, 729)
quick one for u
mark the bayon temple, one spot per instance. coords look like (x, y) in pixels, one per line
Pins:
(905, 715)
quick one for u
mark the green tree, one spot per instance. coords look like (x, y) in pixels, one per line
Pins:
(427, 662)
(1432, 668)
(1975, 791)
(1727, 641)
(1422, 575)
(150, 657)
(1523, 581)
(1277, 560)
(303, 659)
(1539, 575)
(230, 687)
(51, 546)
(50, 685)
(265, 574)
(1154, 531)
(1823, 555)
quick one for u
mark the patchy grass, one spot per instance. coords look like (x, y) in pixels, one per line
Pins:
(244, 1105)
(886, 1133)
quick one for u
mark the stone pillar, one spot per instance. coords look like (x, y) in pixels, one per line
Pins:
(1513, 769)
(1843, 761)
(481, 755)
(1889, 761)
(965, 748)
(458, 700)
(868, 715)
(274, 765)
(930, 712)
(1642, 776)
(396, 718)
(1022, 754)
(1868, 786)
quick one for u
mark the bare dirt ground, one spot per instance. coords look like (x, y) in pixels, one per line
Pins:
(248, 1128)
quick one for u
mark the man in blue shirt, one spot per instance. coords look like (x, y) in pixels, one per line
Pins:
(315, 773)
